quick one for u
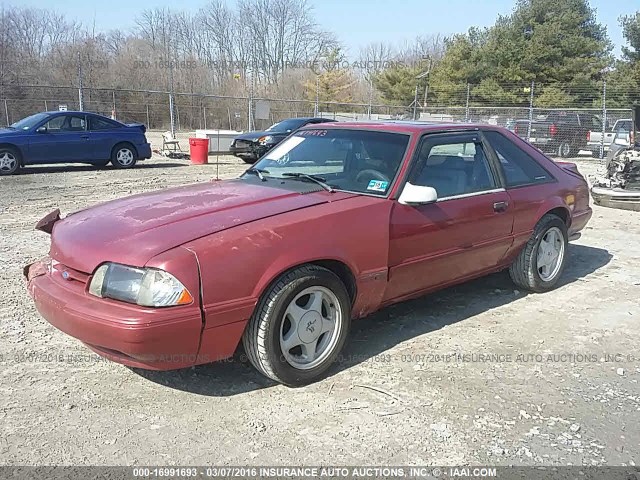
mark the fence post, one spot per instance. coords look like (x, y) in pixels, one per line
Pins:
(6, 112)
(530, 111)
(316, 108)
(46, 107)
(148, 121)
(466, 112)
(415, 104)
(80, 97)
(604, 119)
(172, 119)
(204, 116)
(370, 99)
(251, 85)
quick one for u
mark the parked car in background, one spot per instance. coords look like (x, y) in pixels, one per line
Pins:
(71, 137)
(251, 146)
(560, 133)
(620, 134)
(284, 257)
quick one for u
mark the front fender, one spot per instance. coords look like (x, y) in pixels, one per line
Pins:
(238, 264)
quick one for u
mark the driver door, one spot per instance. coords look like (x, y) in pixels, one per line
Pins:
(66, 139)
(466, 232)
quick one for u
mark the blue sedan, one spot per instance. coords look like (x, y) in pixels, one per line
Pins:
(71, 137)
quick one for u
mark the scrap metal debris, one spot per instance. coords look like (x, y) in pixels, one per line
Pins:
(620, 188)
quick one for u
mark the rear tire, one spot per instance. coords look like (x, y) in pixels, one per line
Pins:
(9, 161)
(124, 156)
(537, 268)
(299, 326)
(566, 150)
(250, 161)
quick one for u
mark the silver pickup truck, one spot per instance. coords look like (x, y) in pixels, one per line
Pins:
(620, 134)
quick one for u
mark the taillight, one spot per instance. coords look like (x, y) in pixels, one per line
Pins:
(588, 136)
(553, 130)
(515, 129)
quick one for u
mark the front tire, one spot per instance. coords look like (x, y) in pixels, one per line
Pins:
(299, 326)
(540, 264)
(124, 156)
(9, 161)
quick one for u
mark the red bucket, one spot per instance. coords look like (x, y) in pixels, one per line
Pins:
(199, 150)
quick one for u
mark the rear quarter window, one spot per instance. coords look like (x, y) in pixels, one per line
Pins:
(96, 123)
(518, 166)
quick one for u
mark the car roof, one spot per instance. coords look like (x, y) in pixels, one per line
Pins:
(306, 119)
(407, 126)
(72, 112)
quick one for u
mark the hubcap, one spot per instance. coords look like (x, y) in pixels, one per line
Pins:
(550, 254)
(124, 157)
(8, 162)
(310, 328)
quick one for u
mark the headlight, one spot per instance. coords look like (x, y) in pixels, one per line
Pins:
(266, 139)
(148, 287)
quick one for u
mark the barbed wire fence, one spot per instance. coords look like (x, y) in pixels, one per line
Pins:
(585, 117)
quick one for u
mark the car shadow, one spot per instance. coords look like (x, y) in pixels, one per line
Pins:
(377, 333)
(39, 169)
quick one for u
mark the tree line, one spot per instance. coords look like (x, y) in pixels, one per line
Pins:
(276, 49)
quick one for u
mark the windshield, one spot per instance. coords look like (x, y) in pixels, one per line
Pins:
(351, 160)
(29, 122)
(286, 125)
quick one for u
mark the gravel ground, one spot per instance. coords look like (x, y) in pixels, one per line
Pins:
(476, 374)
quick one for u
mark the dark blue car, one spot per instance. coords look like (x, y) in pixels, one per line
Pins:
(71, 137)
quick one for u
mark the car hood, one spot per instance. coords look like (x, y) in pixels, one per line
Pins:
(256, 135)
(133, 230)
(8, 131)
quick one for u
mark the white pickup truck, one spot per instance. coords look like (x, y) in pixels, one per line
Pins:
(620, 134)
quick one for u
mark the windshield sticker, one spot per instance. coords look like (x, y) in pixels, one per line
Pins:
(284, 148)
(378, 186)
(312, 133)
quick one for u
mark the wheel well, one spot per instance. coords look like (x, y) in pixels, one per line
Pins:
(14, 147)
(343, 272)
(563, 213)
(129, 144)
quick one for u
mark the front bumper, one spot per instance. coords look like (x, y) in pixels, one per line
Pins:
(252, 151)
(616, 198)
(155, 339)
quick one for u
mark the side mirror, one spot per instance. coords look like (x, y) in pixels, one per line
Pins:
(41, 129)
(417, 195)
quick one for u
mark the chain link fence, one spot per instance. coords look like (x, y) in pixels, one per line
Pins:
(560, 120)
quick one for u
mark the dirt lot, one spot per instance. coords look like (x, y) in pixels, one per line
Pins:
(558, 383)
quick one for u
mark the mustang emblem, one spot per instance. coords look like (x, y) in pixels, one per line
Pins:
(310, 326)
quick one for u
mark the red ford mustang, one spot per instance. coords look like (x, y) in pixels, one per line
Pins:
(335, 223)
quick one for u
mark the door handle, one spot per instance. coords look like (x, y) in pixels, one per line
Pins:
(500, 207)
(86, 137)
